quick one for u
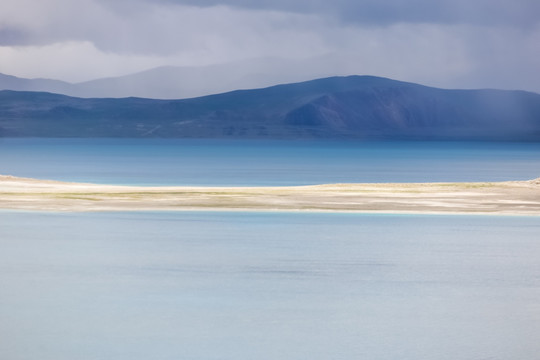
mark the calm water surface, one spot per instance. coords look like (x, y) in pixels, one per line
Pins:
(268, 286)
(210, 285)
(237, 163)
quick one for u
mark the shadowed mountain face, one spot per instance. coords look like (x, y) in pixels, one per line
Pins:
(355, 107)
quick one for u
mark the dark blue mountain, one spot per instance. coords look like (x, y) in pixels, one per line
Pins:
(354, 107)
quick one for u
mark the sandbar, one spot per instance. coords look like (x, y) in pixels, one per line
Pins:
(503, 198)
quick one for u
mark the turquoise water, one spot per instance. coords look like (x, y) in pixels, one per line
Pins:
(229, 162)
(263, 286)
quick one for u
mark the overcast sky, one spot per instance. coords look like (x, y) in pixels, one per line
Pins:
(445, 43)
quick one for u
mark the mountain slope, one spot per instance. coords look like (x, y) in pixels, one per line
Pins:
(356, 107)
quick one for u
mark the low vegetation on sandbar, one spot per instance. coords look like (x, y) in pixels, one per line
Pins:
(512, 197)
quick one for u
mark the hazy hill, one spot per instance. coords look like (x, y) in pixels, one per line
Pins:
(357, 107)
(8, 82)
(177, 82)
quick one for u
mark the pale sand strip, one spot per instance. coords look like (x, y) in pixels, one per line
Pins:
(505, 198)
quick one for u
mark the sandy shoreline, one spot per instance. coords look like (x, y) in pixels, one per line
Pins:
(504, 198)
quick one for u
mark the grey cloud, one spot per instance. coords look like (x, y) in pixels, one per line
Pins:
(164, 30)
(159, 26)
(478, 43)
(13, 36)
(518, 13)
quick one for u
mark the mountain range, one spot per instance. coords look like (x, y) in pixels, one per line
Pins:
(352, 107)
(178, 82)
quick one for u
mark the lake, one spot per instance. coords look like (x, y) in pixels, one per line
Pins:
(244, 163)
(266, 285)
(210, 285)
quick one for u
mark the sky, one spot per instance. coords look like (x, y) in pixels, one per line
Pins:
(444, 43)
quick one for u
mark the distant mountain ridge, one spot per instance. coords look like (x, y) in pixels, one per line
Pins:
(9, 82)
(353, 107)
(177, 82)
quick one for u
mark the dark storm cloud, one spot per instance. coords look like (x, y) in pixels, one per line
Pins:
(518, 13)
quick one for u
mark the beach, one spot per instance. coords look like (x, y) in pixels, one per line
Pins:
(504, 198)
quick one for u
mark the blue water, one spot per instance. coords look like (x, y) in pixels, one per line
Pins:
(138, 286)
(238, 163)
(218, 285)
